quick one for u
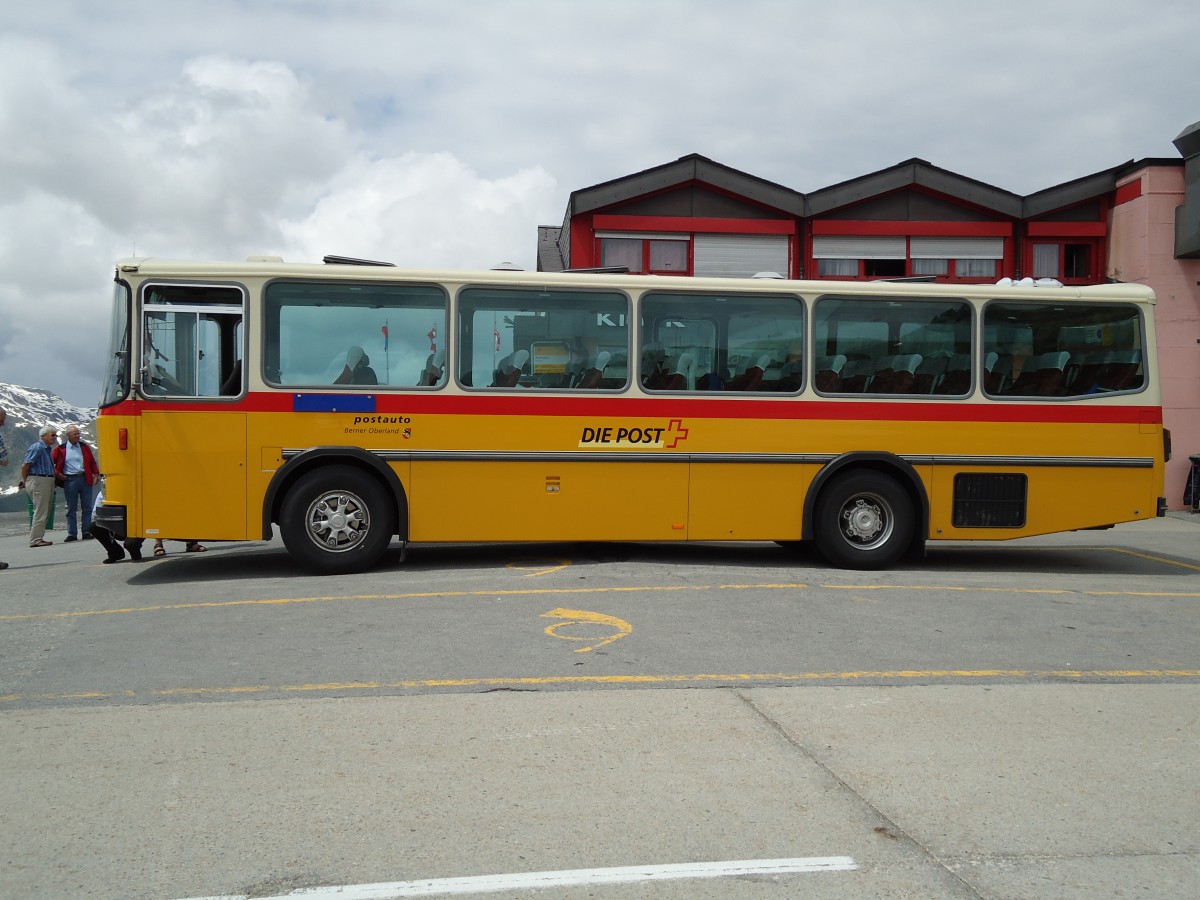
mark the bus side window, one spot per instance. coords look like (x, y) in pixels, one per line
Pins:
(1064, 350)
(526, 339)
(191, 339)
(717, 342)
(914, 346)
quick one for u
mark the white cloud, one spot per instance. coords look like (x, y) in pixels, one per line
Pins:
(225, 158)
(425, 211)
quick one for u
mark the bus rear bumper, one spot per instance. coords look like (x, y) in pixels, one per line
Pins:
(1162, 507)
(113, 517)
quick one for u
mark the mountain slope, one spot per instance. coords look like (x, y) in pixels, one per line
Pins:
(28, 410)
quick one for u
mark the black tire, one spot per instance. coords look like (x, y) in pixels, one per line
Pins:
(337, 520)
(863, 520)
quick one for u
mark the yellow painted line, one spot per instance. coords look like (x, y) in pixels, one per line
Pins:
(1159, 559)
(284, 601)
(585, 617)
(1152, 558)
(540, 568)
(634, 589)
(967, 589)
(561, 680)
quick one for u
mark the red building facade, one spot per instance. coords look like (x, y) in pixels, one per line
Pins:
(695, 216)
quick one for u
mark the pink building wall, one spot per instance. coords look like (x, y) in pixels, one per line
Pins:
(1142, 250)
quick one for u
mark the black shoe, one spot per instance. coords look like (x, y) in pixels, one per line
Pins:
(3, 566)
(135, 555)
(69, 538)
(112, 558)
(87, 536)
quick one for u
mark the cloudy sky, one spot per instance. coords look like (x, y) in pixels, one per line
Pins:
(442, 133)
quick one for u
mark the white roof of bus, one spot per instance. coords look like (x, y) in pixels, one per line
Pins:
(274, 267)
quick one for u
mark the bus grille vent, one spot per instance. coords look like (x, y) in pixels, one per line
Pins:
(984, 500)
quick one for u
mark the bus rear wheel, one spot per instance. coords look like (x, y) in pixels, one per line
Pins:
(863, 520)
(337, 520)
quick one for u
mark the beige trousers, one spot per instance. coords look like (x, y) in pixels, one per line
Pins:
(41, 492)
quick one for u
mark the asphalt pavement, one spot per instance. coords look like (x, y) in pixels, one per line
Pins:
(158, 778)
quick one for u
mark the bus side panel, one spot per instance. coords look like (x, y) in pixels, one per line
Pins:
(548, 501)
(1058, 499)
(193, 474)
(747, 502)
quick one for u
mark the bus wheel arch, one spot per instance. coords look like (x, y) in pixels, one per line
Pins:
(335, 520)
(370, 476)
(866, 510)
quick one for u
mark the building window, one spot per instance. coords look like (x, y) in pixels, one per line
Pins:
(837, 268)
(1076, 261)
(621, 252)
(668, 256)
(1045, 260)
(1069, 262)
(657, 256)
(931, 267)
(885, 268)
(948, 258)
(975, 268)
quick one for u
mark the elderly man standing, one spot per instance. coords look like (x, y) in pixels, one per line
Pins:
(3, 458)
(75, 466)
(37, 477)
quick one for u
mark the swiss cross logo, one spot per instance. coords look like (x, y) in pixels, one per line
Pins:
(676, 432)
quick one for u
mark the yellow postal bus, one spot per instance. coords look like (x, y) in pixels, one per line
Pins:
(351, 405)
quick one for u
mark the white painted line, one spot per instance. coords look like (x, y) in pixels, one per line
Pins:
(485, 884)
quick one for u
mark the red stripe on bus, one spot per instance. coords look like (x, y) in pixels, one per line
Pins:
(677, 407)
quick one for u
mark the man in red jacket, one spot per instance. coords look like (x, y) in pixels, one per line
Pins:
(75, 468)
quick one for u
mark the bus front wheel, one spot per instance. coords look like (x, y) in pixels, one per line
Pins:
(336, 520)
(863, 520)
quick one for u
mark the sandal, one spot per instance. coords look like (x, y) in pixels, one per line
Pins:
(196, 547)
(160, 550)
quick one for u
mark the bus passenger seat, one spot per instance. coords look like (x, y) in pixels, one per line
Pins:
(751, 379)
(1051, 372)
(591, 376)
(791, 376)
(686, 366)
(508, 371)
(998, 375)
(435, 365)
(654, 375)
(958, 375)
(856, 376)
(232, 385)
(895, 374)
(1121, 370)
(930, 373)
(829, 373)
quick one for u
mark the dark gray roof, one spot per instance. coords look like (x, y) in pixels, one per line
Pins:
(909, 173)
(549, 254)
(1071, 192)
(682, 171)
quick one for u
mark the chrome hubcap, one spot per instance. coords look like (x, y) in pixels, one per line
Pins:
(866, 521)
(338, 521)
